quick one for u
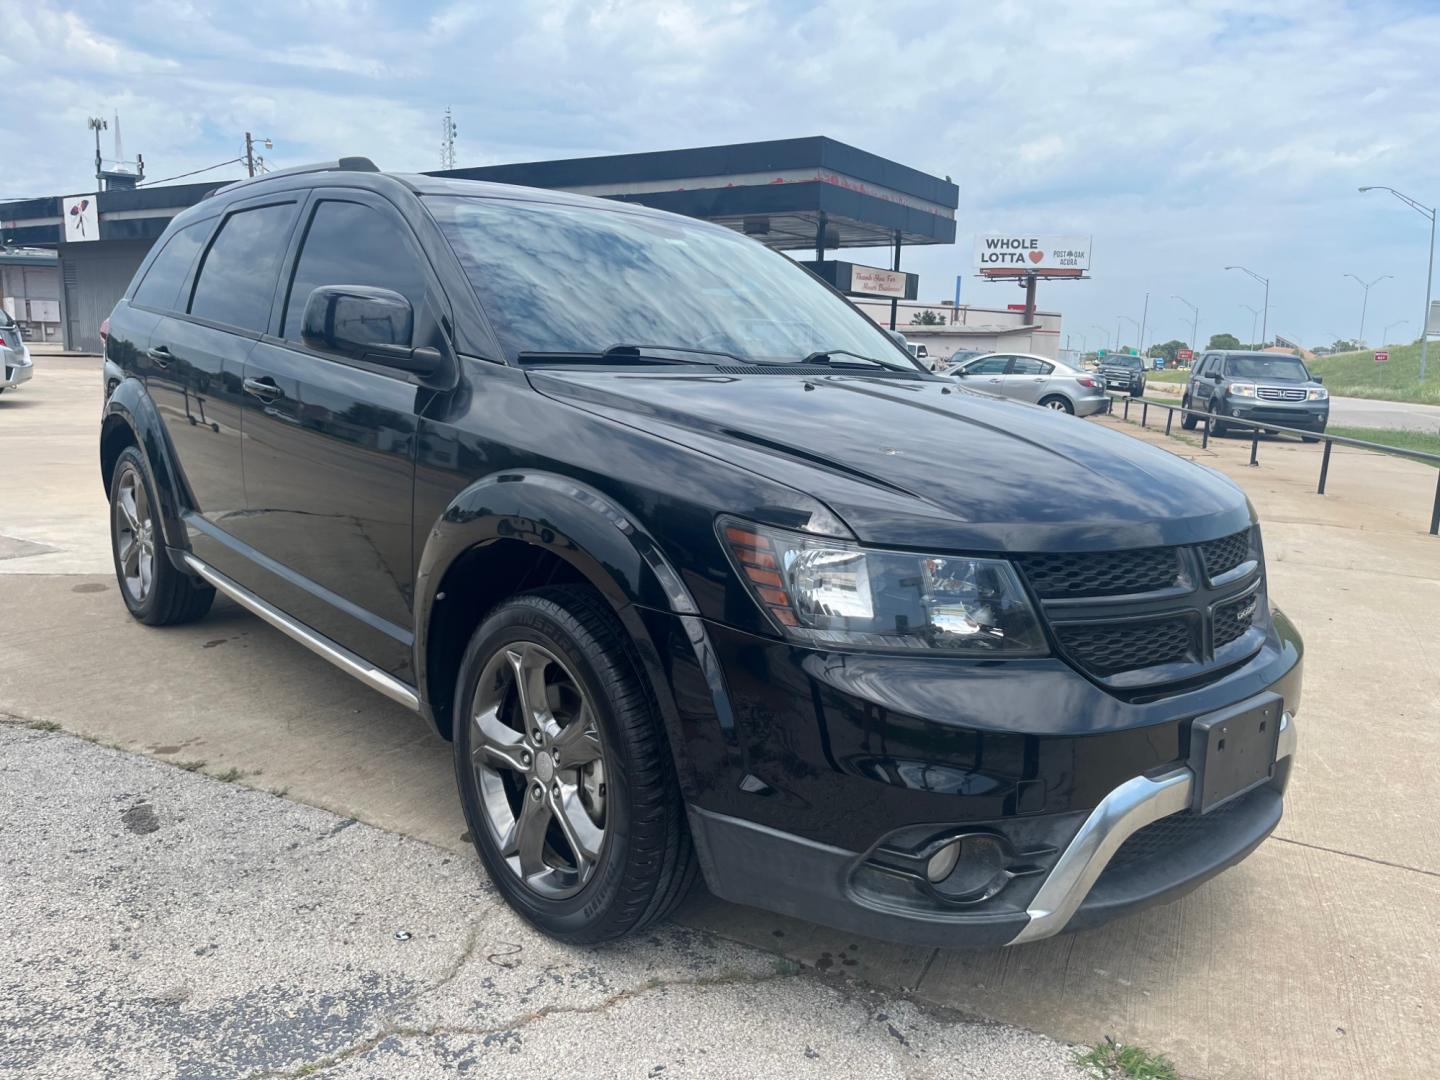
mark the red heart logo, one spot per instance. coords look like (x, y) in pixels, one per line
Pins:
(1036, 256)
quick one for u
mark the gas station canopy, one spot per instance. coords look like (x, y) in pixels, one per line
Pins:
(782, 193)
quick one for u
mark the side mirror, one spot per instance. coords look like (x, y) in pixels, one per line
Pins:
(1318, 379)
(366, 323)
(961, 372)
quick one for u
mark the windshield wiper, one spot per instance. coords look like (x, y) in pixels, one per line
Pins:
(641, 354)
(826, 358)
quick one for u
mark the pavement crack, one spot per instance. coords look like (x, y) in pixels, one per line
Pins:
(396, 1030)
(1362, 858)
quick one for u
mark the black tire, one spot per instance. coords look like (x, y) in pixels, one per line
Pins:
(1218, 427)
(1059, 403)
(1138, 390)
(646, 863)
(1310, 438)
(171, 596)
(1188, 420)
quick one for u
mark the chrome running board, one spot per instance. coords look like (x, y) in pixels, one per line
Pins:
(338, 655)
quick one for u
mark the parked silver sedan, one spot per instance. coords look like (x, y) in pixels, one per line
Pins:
(1024, 377)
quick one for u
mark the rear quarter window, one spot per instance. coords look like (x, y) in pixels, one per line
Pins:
(160, 288)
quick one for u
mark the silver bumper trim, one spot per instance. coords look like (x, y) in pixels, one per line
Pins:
(1124, 812)
(337, 654)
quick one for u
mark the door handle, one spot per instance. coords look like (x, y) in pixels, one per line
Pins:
(161, 355)
(264, 389)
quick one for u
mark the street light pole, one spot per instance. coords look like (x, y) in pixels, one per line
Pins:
(1365, 303)
(1131, 321)
(1265, 314)
(1429, 212)
(1144, 318)
(1386, 336)
(1254, 318)
(1104, 334)
(1194, 322)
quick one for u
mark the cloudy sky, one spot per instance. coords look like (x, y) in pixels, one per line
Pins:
(1183, 137)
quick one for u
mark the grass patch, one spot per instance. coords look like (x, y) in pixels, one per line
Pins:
(43, 725)
(1405, 440)
(1111, 1059)
(1357, 375)
(189, 766)
(229, 776)
(1169, 375)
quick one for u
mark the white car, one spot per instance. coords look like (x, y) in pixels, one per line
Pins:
(15, 365)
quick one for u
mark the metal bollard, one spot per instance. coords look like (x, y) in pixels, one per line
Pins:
(1435, 510)
(1255, 447)
(1324, 467)
(1126, 414)
(1169, 419)
(1144, 413)
(1205, 436)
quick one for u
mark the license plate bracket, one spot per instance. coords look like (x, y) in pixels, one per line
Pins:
(1232, 751)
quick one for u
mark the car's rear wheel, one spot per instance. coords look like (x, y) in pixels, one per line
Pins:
(1059, 403)
(564, 772)
(153, 589)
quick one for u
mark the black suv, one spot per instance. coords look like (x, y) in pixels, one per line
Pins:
(1121, 371)
(1263, 387)
(646, 519)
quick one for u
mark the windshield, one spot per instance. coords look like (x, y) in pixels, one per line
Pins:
(1266, 367)
(579, 279)
(1122, 361)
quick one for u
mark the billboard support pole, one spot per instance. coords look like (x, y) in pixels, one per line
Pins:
(894, 304)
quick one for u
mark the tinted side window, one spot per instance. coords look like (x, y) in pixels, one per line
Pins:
(161, 285)
(237, 278)
(352, 244)
(991, 365)
(1026, 365)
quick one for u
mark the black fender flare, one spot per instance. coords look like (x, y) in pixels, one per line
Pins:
(131, 406)
(603, 542)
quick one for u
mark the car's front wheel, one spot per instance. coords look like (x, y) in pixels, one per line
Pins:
(564, 772)
(1188, 420)
(155, 591)
(1059, 403)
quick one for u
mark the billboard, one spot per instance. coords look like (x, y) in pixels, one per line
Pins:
(81, 217)
(1022, 253)
(853, 279)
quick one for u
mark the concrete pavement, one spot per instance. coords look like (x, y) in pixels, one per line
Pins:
(160, 923)
(1315, 958)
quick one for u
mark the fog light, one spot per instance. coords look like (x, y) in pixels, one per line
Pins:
(943, 862)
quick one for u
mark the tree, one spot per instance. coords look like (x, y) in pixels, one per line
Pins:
(1345, 346)
(1169, 350)
(1223, 341)
(927, 318)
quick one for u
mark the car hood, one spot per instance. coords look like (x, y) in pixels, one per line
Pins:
(925, 463)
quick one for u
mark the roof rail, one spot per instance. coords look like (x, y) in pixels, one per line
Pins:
(344, 164)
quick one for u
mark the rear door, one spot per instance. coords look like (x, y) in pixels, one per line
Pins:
(196, 357)
(1026, 378)
(330, 441)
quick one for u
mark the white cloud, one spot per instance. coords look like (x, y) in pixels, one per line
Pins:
(1181, 136)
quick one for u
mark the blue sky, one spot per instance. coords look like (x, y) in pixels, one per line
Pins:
(1182, 137)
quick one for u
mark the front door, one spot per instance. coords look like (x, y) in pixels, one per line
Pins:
(195, 358)
(987, 373)
(330, 443)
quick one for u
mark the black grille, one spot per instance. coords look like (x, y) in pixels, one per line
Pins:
(1233, 619)
(1169, 834)
(1109, 648)
(1223, 555)
(1101, 573)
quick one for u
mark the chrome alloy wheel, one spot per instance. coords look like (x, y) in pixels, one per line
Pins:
(1056, 404)
(134, 535)
(539, 767)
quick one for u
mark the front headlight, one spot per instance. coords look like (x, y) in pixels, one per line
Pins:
(1241, 389)
(829, 592)
(1320, 394)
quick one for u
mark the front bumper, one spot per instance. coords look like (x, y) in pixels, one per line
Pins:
(15, 368)
(840, 777)
(1300, 415)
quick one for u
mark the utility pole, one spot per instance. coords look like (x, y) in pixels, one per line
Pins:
(1144, 317)
(98, 124)
(1365, 303)
(251, 161)
(448, 132)
(1429, 212)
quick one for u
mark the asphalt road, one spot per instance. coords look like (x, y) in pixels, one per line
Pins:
(160, 923)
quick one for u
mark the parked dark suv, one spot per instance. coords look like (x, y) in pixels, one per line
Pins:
(1263, 387)
(648, 521)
